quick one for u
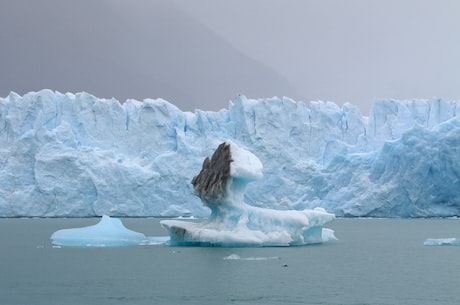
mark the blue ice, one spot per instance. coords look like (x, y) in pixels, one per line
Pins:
(76, 155)
(109, 232)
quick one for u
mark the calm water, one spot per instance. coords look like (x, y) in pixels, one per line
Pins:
(376, 261)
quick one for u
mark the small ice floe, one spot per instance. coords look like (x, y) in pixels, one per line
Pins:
(257, 258)
(328, 235)
(109, 232)
(442, 242)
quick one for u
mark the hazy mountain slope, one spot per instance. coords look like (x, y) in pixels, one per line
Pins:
(125, 50)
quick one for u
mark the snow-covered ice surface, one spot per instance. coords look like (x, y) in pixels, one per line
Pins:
(76, 155)
(442, 242)
(109, 232)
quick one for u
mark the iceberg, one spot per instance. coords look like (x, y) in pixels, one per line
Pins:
(76, 155)
(221, 185)
(109, 232)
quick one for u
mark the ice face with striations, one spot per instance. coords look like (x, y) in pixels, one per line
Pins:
(221, 185)
(77, 155)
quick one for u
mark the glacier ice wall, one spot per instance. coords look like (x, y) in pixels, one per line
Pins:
(76, 155)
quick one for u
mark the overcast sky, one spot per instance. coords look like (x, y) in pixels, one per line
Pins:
(202, 53)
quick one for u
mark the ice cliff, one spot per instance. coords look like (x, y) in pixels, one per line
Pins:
(76, 155)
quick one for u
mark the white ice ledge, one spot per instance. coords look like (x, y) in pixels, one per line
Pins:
(248, 226)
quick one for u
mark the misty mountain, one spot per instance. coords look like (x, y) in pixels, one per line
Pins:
(141, 49)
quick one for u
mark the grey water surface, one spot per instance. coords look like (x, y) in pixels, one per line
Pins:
(375, 261)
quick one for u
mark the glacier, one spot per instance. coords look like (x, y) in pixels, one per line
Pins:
(75, 155)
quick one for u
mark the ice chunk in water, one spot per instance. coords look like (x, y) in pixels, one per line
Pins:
(109, 232)
(442, 242)
(221, 185)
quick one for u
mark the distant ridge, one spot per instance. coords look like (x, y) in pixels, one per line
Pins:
(130, 50)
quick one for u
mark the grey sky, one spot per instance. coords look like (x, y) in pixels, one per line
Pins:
(201, 54)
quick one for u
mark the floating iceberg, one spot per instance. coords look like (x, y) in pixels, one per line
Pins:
(221, 185)
(442, 242)
(109, 232)
(236, 257)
